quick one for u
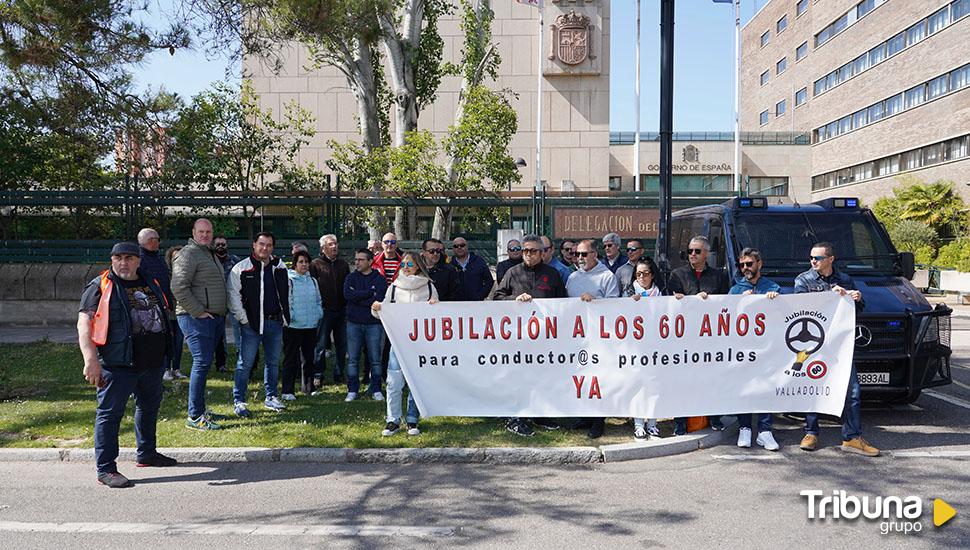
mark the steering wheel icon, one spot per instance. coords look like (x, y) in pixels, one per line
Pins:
(804, 335)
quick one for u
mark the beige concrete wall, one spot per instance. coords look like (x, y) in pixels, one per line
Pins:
(575, 117)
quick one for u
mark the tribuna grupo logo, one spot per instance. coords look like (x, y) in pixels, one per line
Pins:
(895, 514)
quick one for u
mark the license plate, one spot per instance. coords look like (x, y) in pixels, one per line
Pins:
(873, 378)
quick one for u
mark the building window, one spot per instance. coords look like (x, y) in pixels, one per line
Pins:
(894, 105)
(939, 20)
(616, 183)
(848, 18)
(781, 65)
(800, 7)
(801, 51)
(939, 86)
(764, 78)
(765, 38)
(781, 25)
(801, 96)
(960, 8)
(864, 7)
(763, 118)
(780, 108)
(771, 186)
(944, 151)
(877, 54)
(916, 33)
(896, 44)
(914, 96)
(860, 118)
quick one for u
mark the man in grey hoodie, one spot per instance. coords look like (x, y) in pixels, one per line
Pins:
(593, 281)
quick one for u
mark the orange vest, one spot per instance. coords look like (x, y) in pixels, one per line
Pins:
(99, 324)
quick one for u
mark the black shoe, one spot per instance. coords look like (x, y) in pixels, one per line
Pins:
(519, 427)
(581, 424)
(717, 425)
(158, 460)
(114, 480)
(596, 430)
(546, 423)
(390, 429)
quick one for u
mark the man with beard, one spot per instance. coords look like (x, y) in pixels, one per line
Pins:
(227, 260)
(444, 275)
(752, 282)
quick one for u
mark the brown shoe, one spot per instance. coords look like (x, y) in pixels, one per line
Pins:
(809, 442)
(859, 446)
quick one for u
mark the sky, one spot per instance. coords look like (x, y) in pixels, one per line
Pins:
(703, 64)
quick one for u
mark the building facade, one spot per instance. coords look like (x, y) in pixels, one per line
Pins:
(881, 86)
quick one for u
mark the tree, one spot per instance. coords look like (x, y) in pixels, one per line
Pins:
(935, 204)
(224, 141)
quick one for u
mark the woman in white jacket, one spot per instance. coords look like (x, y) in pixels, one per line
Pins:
(413, 285)
(644, 286)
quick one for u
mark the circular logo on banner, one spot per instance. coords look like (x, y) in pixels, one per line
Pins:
(804, 335)
(817, 369)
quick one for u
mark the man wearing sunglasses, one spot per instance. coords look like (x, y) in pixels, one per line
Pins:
(614, 259)
(514, 250)
(444, 275)
(549, 257)
(475, 275)
(531, 279)
(389, 260)
(625, 274)
(751, 282)
(567, 251)
(824, 277)
(697, 279)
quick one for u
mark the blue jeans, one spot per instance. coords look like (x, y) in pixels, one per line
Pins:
(765, 421)
(333, 324)
(851, 413)
(173, 359)
(121, 382)
(395, 389)
(272, 340)
(201, 336)
(358, 336)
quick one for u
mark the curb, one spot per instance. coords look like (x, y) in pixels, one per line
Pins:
(668, 446)
(435, 455)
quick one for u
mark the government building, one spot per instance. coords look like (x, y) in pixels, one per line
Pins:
(838, 97)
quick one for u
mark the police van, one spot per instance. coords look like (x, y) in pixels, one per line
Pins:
(902, 343)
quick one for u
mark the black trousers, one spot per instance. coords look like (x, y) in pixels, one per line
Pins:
(298, 344)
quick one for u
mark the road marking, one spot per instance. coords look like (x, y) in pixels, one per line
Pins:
(750, 457)
(930, 454)
(949, 399)
(959, 366)
(227, 529)
(961, 384)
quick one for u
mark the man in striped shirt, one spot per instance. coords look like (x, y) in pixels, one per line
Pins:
(387, 262)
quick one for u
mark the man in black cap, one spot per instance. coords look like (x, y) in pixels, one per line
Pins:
(123, 333)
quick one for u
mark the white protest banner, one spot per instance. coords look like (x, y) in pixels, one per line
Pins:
(653, 358)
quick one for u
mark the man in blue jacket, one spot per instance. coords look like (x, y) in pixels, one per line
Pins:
(823, 277)
(152, 262)
(752, 282)
(362, 288)
(476, 277)
(123, 333)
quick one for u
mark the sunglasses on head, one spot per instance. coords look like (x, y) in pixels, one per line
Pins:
(697, 251)
(459, 245)
(390, 241)
(745, 264)
(819, 258)
(515, 249)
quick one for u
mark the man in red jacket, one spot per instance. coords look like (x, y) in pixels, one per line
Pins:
(389, 260)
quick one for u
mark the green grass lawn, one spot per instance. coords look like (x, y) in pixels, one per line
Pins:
(45, 402)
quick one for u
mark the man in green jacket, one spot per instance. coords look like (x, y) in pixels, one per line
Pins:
(199, 286)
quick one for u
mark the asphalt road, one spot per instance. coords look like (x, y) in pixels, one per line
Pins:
(722, 497)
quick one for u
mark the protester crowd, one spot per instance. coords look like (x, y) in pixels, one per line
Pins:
(135, 318)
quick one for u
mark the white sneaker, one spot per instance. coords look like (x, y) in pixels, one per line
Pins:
(378, 396)
(350, 397)
(288, 397)
(744, 437)
(274, 403)
(413, 429)
(168, 377)
(766, 440)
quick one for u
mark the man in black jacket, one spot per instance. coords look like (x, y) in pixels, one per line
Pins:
(530, 279)
(123, 332)
(697, 279)
(514, 249)
(446, 278)
(330, 271)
